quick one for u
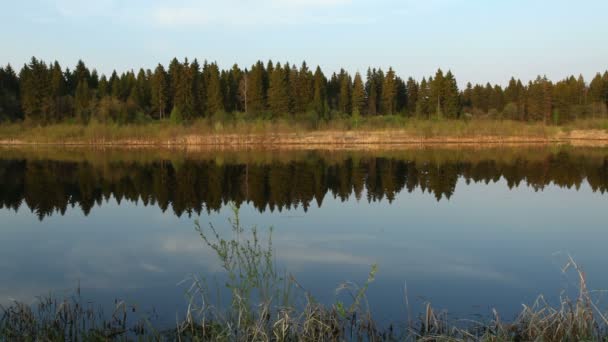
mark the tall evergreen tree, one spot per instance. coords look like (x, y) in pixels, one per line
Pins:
(358, 95)
(215, 101)
(344, 96)
(451, 105)
(412, 95)
(278, 97)
(305, 89)
(159, 91)
(82, 100)
(320, 93)
(389, 93)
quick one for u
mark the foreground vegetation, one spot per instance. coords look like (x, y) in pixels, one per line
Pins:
(266, 305)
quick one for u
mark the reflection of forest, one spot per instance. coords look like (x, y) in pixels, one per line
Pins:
(50, 182)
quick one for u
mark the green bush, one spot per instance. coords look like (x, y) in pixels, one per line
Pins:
(176, 117)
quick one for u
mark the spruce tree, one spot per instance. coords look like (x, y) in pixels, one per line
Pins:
(256, 89)
(451, 105)
(305, 89)
(412, 95)
(344, 96)
(389, 93)
(320, 93)
(82, 100)
(372, 92)
(159, 91)
(358, 95)
(278, 99)
(215, 101)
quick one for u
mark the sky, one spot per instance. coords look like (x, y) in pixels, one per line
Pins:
(479, 40)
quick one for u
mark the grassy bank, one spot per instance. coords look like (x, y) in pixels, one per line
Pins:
(235, 131)
(266, 304)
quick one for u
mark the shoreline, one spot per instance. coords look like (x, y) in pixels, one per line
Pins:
(325, 140)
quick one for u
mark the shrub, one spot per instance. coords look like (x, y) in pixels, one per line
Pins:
(176, 117)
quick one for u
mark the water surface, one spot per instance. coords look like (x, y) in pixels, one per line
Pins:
(467, 229)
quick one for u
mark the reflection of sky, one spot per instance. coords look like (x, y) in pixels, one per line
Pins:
(486, 247)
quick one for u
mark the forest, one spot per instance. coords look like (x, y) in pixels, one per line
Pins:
(43, 94)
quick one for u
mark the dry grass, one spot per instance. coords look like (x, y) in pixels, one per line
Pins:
(235, 127)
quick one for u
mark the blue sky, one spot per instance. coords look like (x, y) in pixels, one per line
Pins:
(479, 40)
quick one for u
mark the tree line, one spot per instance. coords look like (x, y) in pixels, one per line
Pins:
(44, 93)
(190, 186)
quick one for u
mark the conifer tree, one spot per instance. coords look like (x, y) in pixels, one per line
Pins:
(400, 96)
(389, 93)
(198, 85)
(35, 91)
(372, 92)
(256, 93)
(82, 100)
(344, 96)
(159, 91)
(215, 101)
(320, 93)
(412, 95)
(305, 89)
(451, 105)
(358, 95)
(278, 99)
(9, 95)
(423, 105)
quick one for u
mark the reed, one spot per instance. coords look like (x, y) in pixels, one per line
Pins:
(163, 132)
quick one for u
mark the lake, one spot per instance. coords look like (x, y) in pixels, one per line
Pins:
(466, 229)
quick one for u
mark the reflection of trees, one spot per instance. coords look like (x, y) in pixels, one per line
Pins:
(191, 185)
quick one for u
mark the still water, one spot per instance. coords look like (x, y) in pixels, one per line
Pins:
(467, 230)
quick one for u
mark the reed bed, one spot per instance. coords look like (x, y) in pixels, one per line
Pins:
(162, 132)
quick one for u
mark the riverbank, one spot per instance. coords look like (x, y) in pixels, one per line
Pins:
(290, 135)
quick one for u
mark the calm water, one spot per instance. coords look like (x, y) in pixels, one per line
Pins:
(468, 230)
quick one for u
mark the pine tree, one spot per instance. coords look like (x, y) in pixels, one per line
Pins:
(256, 89)
(412, 95)
(305, 89)
(400, 96)
(278, 99)
(182, 82)
(437, 92)
(59, 107)
(451, 105)
(344, 96)
(35, 91)
(9, 95)
(141, 93)
(198, 93)
(389, 93)
(293, 76)
(215, 101)
(159, 91)
(372, 92)
(358, 95)
(423, 103)
(82, 100)
(320, 93)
